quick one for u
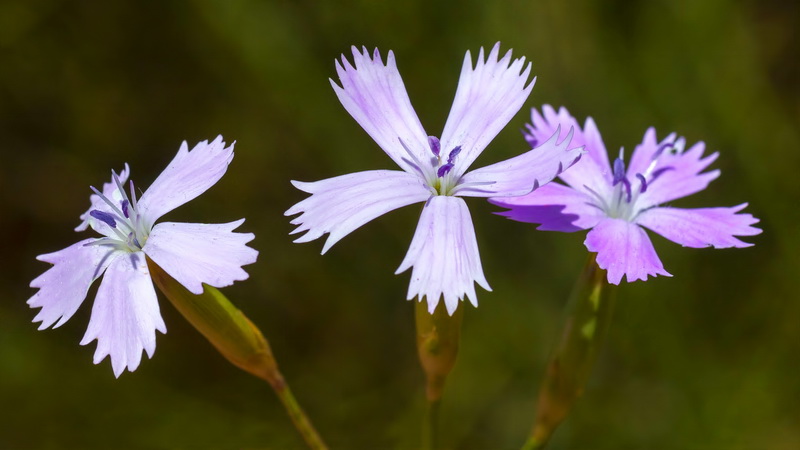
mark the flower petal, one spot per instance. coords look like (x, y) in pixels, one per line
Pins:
(341, 204)
(444, 253)
(593, 169)
(680, 170)
(63, 287)
(623, 248)
(125, 315)
(374, 94)
(188, 175)
(111, 191)
(487, 97)
(702, 227)
(196, 253)
(555, 206)
(521, 174)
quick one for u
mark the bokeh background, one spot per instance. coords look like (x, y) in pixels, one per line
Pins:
(707, 359)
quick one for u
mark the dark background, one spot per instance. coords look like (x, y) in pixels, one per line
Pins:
(707, 359)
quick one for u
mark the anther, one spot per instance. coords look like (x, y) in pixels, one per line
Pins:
(104, 217)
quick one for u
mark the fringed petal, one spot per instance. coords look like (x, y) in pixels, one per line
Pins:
(374, 94)
(593, 170)
(341, 204)
(444, 254)
(521, 174)
(554, 206)
(488, 96)
(125, 315)
(188, 175)
(63, 287)
(196, 253)
(623, 248)
(702, 227)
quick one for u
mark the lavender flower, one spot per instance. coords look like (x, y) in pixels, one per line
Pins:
(613, 202)
(125, 315)
(444, 251)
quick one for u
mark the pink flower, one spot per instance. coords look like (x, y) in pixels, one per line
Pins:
(615, 203)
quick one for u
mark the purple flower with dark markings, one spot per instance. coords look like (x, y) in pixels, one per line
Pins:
(125, 315)
(614, 203)
(444, 250)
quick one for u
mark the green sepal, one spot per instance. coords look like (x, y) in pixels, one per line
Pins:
(228, 330)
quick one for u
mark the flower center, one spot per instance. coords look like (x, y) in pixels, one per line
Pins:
(124, 220)
(438, 172)
(622, 203)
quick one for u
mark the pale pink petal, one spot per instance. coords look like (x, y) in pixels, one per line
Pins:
(374, 94)
(188, 175)
(196, 253)
(623, 248)
(111, 191)
(63, 287)
(702, 227)
(521, 174)
(125, 315)
(593, 169)
(680, 171)
(488, 96)
(554, 206)
(444, 254)
(341, 204)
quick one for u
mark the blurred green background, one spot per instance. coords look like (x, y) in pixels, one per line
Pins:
(707, 359)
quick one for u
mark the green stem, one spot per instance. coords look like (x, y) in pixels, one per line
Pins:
(430, 426)
(438, 335)
(588, 317)
(298, 416)
(237, 339)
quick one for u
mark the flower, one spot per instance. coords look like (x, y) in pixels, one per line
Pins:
(444, 250)
(125, 315)
(614, 203)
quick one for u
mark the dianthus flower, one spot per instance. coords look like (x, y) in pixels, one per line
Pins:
(125, 315)
(615, 203)
(444, 250)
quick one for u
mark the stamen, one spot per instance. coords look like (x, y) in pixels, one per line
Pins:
(627, 185)
(115, 209)
(414, 161)
(444, 170)
(598, 197)
(619, 171)
(472, 186)
(104, 217)
(661, 149)
(433, 142)
(643, 181)
(125, 209)
(659, 172)
(451, 159)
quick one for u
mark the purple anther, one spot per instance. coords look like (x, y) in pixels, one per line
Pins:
(104, 217)
(642, 180)
(453, 153)
(661, 149)
(619, 171)
(433, 142)
(444, 170)
(125, 209)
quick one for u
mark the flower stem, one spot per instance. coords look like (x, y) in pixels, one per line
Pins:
(438, 335)
(237, 339)
(299, 418)
(588, 315)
